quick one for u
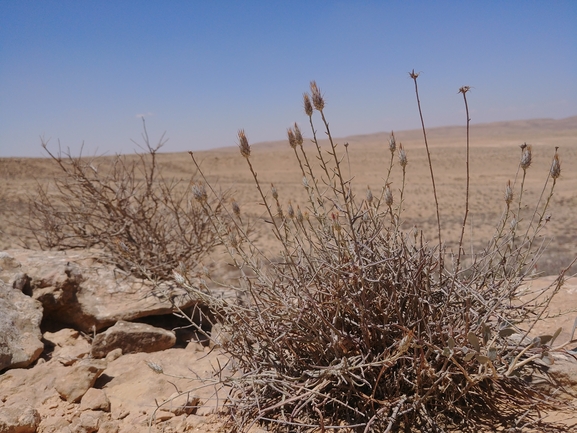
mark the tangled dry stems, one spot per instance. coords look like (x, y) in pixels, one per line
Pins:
(362, 326)
(145, 224)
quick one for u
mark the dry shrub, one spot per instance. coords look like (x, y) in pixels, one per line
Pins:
(363, 325)
(144, 223)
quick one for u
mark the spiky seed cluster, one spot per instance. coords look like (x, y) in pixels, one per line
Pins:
(243, 144)
(388, 196)
(392, 143)
(178, 277)
(464, 89)
(290, 211)
(235, 208)
(402, 156)
(307, 104)
(298, 135)
(157, 368)
(369, 195)
(199, 193)
(555, 167)
(526, 156)
(300, 217)
(508, 193)
(295, 137)
(318, 100)
(274, 191)
(291, 138)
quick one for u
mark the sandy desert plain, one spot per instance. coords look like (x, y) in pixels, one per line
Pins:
(495, 154)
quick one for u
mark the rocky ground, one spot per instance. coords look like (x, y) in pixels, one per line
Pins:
(85, 349)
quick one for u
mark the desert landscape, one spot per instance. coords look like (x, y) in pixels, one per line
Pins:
(132, 385)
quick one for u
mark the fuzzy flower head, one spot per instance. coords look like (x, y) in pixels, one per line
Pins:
(318, 100)
(307, 104)
(526, 156)
(392, 143)
(369, 195)
(298, 135)
(402, 156)
(199, 193)
(243, 144)
(555, 166)
(291, 138)
(388, 196)
(508, 193)
(235, 208)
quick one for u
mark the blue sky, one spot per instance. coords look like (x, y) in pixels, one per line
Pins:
(84, 71)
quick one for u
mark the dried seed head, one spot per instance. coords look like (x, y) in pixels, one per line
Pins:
(274, 191)
(290, 211)
(526, 156)
(508, 193)
(279, 211)
(307, 104)
(402, 156)
(299, 215)
(157, 368)
(555, 166)
(235, 208)
(392, 143)
(178, 277)
(413, 74)
(298, 135)
(369, 195)
(318, 100)
(233, 240)
(291, 138)
(464, 89)
(243, 144)
(199, 192)
(388, 196)
(306, 182)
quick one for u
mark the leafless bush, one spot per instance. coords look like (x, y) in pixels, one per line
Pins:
(365, 326)
(145, 223)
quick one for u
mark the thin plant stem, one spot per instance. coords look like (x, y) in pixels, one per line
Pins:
(414, 76)
(464, 91)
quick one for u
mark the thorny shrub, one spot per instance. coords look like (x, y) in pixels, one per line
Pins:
(144, 223)
(365, 326)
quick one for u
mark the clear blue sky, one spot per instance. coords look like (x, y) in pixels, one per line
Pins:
(200, 70)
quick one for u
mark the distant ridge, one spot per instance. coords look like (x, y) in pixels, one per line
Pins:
(520, 129)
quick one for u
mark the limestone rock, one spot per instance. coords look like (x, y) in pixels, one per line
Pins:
(67, 345)
(95, 399)
(9, 267)
(77, 289)
(132, 338)
(79, 379)
(20, 337)
(17, 419)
